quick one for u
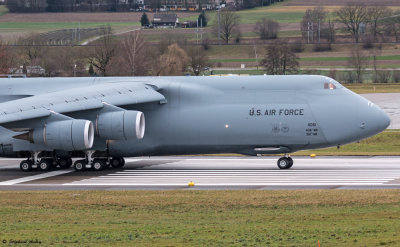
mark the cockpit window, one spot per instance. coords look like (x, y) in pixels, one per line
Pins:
(329, 85)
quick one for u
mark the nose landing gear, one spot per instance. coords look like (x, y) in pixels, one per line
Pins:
(285, 162)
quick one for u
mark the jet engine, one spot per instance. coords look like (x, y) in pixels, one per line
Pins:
(65, 135)
(120, 125)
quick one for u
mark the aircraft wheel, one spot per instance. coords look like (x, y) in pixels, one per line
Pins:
(64, 163)
(45, 165)
(80, 165)
(291, 162)
(117, 162)
(98, 164)
(25, 165)
(285, 163)
(69, 162)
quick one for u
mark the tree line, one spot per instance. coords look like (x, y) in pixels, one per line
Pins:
(358, 23)
(69, 5)
(109, 5)
(129, 55)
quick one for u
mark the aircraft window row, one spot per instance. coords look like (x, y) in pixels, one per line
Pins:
(329, 85)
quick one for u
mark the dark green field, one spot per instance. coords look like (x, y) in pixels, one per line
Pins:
(202, 218)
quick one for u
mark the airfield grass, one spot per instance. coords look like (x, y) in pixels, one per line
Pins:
(385, 143)
(202, 218)
(364, 88)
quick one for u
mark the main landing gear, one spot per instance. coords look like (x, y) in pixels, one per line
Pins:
(89, 163)
(98, 163)
(44, 163)
(285, 162)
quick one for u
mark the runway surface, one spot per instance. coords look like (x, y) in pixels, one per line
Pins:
(390, 103)
(164, 173)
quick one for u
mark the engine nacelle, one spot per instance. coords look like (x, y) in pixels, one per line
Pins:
(120, 125)
(65, 135)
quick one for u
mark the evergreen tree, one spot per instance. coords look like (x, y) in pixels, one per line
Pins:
(202, 19)
(54, 6)
(91, 70)
(144, 20)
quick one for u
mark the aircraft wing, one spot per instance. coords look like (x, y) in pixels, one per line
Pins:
(78, 99)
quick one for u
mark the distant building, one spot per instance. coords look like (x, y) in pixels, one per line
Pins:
(30, 70)
(165, 20)
(183, 5)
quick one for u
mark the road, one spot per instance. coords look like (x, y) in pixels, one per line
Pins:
(210, 173)
(98, 37)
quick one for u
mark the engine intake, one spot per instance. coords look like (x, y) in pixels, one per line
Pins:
(121, 125)
(65, 135)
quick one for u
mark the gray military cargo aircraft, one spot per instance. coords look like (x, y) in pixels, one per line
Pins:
(49, 121)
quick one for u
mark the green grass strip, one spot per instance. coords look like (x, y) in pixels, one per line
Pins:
(202, 218)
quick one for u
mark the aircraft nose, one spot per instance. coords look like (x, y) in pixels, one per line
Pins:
(384, 120)
(378, 120)
(356, 119)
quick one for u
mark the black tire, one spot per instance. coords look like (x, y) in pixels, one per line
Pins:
(291, 162)
(63, 163)
(45, 165)
(25, 165)
(284, 163)
(80, 165)
(69, 160)
(98, 164)
(117, 162)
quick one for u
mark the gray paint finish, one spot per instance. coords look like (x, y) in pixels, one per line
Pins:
(198, 115)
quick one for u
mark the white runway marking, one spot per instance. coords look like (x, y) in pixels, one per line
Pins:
(241, 178)
(35, 177)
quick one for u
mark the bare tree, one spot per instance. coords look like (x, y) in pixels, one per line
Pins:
(358, 60)
(229, 25)
(173, 61)
(31, 52)
(103, 52)
(376, 14)
(392, 25)
(266, 28)
(4, 58)
(352, 16)
(71, 61)
(280, 59)
(374, 53)
(197, 60)
(328, 31)
(313, 20)
(133, 52)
